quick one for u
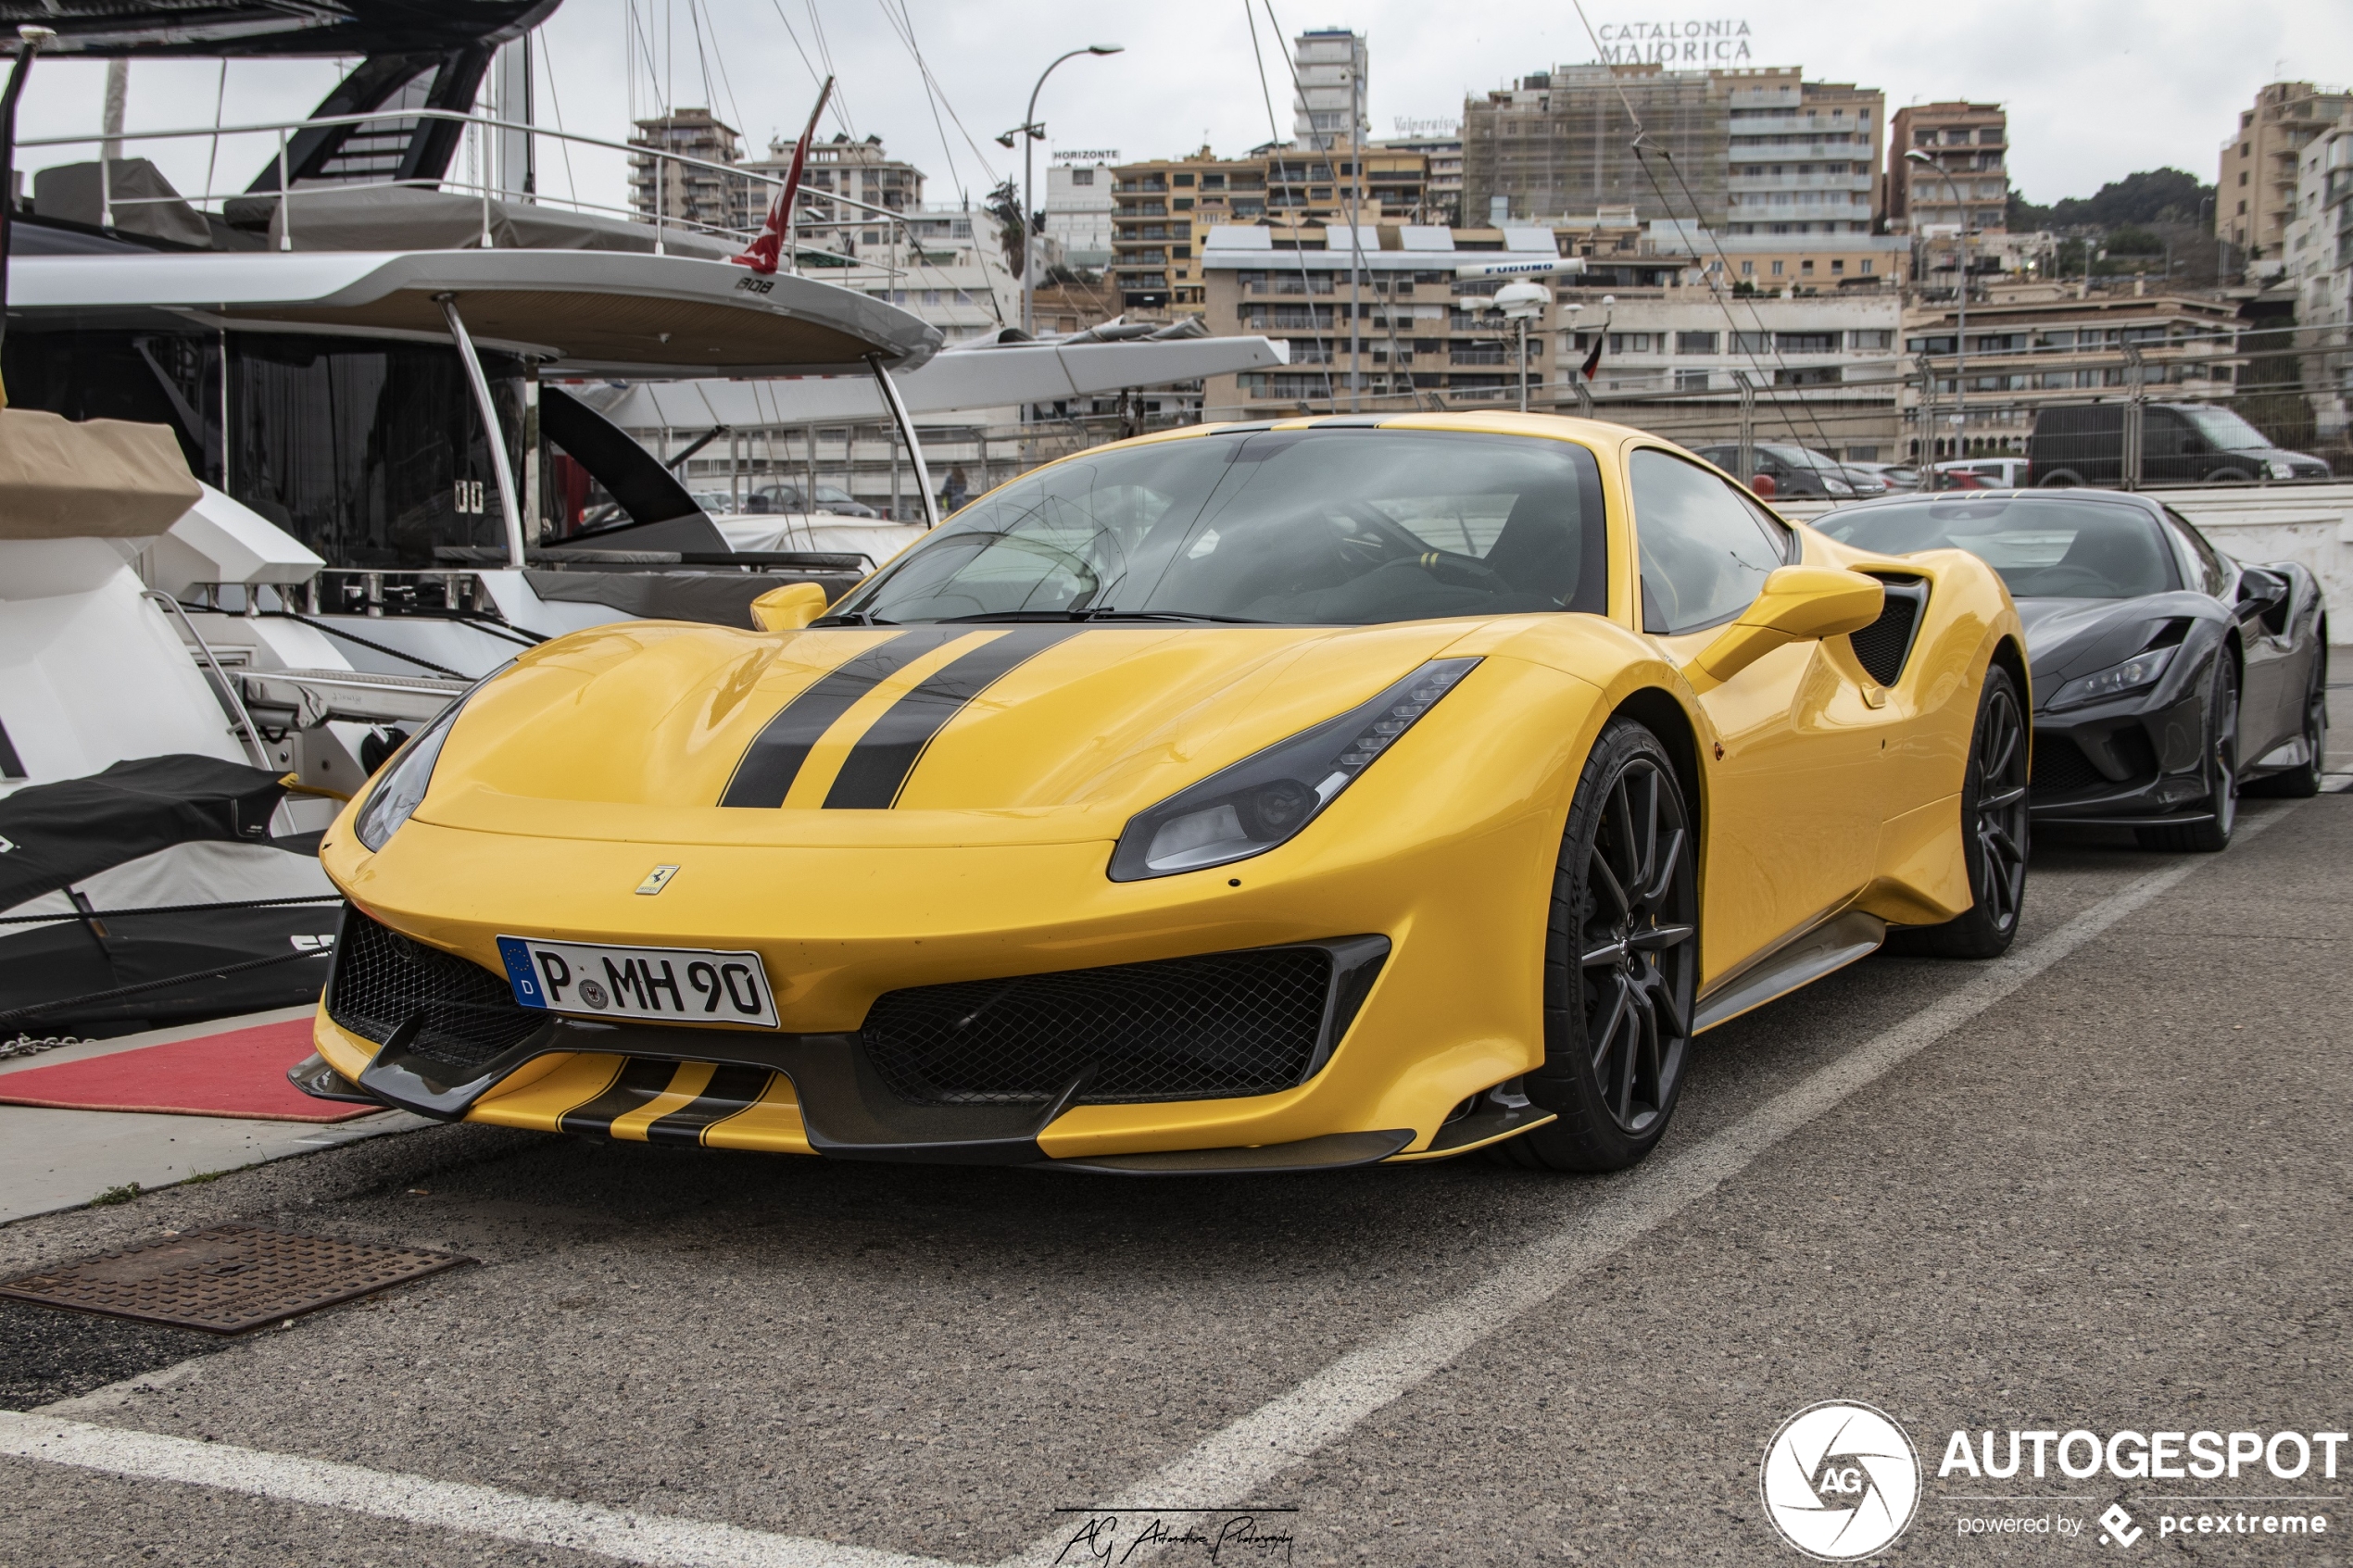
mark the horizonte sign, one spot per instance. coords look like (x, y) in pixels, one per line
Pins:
(1720, 43)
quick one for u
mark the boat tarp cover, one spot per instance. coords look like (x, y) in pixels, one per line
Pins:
(61, 834)
(107, 478)
(155, 881)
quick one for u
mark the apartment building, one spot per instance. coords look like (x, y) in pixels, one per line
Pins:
(2032, 345)
(2318, 253)
(1164, 207)
(2254, 190)
(664, 190)
(1442, 195)
(1078, 208)
(861, 171)
(1802, 158)
(1561, 141)
(1970, 187)
(1330, 103)
(1418, 340)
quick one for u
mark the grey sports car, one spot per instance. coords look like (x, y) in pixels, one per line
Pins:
(2167, 676)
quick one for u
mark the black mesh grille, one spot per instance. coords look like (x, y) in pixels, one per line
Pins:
(382, 977)
(1201, 1028)
(1881, 647)
(2060, 767)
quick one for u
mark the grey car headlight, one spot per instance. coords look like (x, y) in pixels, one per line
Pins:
(1267, 798)
(401, 789)
(2141, 670)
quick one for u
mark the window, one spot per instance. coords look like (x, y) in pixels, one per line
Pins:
(1316, 527)
(1691, 381)
(1213, 182)
(1806, 343)
(1748, 269)
(1180, 180)
(1695, 342)
(1837, 267)
(1879, 339)
(1867, 267)
(1805, 266)
(1630, 342)
(1704, 553)
(1752, 343)
(1777, 269)
(1082, 176)
(2210, 563)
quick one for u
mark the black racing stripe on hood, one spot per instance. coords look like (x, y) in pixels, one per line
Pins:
(766, 773)
(877, 768)
(732, 1088)
(636, 1083)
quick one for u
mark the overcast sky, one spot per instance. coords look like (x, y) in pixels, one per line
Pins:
(2095, 88)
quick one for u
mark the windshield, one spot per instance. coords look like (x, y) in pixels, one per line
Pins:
(1347, 526)
(2226, 430)
(2043, 546)
(1799, 458)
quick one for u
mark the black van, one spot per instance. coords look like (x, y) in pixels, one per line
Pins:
(2192, 443)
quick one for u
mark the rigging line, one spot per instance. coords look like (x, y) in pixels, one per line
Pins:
(906, 37)
(1803, 402)
(826, 53)
(702, 58)
(548, 67)
(734, 108)
(1275, 159)
(841, 118)
(1355, 239)
(219, 100)
(933, 84)
(1756, 320)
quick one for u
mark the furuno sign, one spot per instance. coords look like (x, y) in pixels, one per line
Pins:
(1724, 42)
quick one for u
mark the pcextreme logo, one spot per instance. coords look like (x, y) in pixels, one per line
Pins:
(1840, 1480)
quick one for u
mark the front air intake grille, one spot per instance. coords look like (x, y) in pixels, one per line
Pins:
(1212, 1027)
(2060, 767)
(381, 978)
(1883, 648)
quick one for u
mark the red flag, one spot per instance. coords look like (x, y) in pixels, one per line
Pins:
(762, 254)
(1593, 360)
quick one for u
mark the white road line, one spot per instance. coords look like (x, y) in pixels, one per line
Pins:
(1222, 1469)
(658, 1541)
(1237, 1462)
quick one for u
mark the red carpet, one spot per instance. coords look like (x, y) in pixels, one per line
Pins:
(240, 1072)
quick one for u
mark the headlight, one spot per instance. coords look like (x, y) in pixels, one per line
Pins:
(1836, 486)
(2139, 671)
(396, 796)
(2274, 468)
(1264, 799)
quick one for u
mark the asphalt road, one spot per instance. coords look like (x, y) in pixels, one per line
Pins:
(2104, 1185)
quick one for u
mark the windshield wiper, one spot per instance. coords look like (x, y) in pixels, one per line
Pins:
(855, 618)
(1169, 615)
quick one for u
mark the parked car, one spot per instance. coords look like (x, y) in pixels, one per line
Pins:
(1895, 476)
(2167, 676)
(1796, 471)
(771, 499)
(1999, 473)
(2184, 443)
(1227, 800)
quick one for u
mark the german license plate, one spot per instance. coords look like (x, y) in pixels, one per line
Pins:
(673, 985)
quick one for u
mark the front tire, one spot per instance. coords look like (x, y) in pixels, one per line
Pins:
(1621, 962)
(1993, 834)
(2212, 835)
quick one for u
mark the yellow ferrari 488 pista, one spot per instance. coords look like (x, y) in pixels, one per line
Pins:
(1269, 796)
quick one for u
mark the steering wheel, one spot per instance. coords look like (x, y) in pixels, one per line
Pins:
(1395, 543)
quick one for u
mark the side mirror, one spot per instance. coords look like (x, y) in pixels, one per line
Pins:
(789, 608)
(1799, 604)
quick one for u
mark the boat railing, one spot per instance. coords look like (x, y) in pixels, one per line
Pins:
(816, 211)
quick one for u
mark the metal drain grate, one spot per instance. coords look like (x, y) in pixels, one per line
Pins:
(228, 1279)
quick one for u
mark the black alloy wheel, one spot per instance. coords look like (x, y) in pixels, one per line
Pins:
(2212, 835)
(1994, 834)
(1621, 962)
(2303, 781)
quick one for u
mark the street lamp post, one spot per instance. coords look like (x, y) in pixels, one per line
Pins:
(1960, 329)
(1030, 131)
